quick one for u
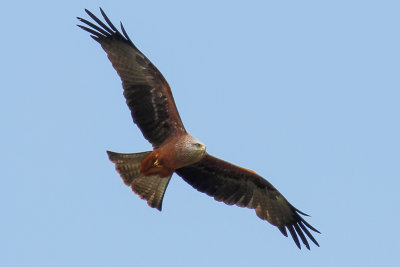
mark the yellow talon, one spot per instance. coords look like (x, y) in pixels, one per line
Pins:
(156, 163)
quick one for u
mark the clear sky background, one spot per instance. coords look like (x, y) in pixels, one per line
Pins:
(305, 93)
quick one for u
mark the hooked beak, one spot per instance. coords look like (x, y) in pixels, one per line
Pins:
(202, 148)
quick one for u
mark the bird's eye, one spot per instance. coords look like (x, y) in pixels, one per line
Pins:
(198, 145)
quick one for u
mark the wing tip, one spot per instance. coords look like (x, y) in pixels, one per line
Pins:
(298, 231)
(102, 30)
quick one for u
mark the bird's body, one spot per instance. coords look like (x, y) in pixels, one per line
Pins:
(177, 153)
(153, 109)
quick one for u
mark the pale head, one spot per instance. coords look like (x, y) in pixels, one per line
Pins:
(189, 150)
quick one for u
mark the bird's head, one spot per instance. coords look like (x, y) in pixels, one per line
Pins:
(190, 150)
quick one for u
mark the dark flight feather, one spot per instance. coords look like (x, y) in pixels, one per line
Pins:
(147, 93)
(234, 185)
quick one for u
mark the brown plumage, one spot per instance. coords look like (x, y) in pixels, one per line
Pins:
(153, 109)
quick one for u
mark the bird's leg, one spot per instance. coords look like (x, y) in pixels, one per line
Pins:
(157, 163)
(149, 162)
(153, 164)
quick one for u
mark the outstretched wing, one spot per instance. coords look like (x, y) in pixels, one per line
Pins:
(147, 93)
(234, 185)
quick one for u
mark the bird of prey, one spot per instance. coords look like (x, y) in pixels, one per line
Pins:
(153, 109)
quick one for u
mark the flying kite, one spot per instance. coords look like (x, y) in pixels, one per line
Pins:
(153, 109)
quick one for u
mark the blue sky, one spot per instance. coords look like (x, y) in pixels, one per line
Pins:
(305, 93)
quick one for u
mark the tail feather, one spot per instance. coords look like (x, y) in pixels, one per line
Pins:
(151, 188)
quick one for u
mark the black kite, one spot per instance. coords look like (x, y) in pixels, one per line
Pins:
(153, 109)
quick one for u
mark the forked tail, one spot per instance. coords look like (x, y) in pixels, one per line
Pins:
(150, 188)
